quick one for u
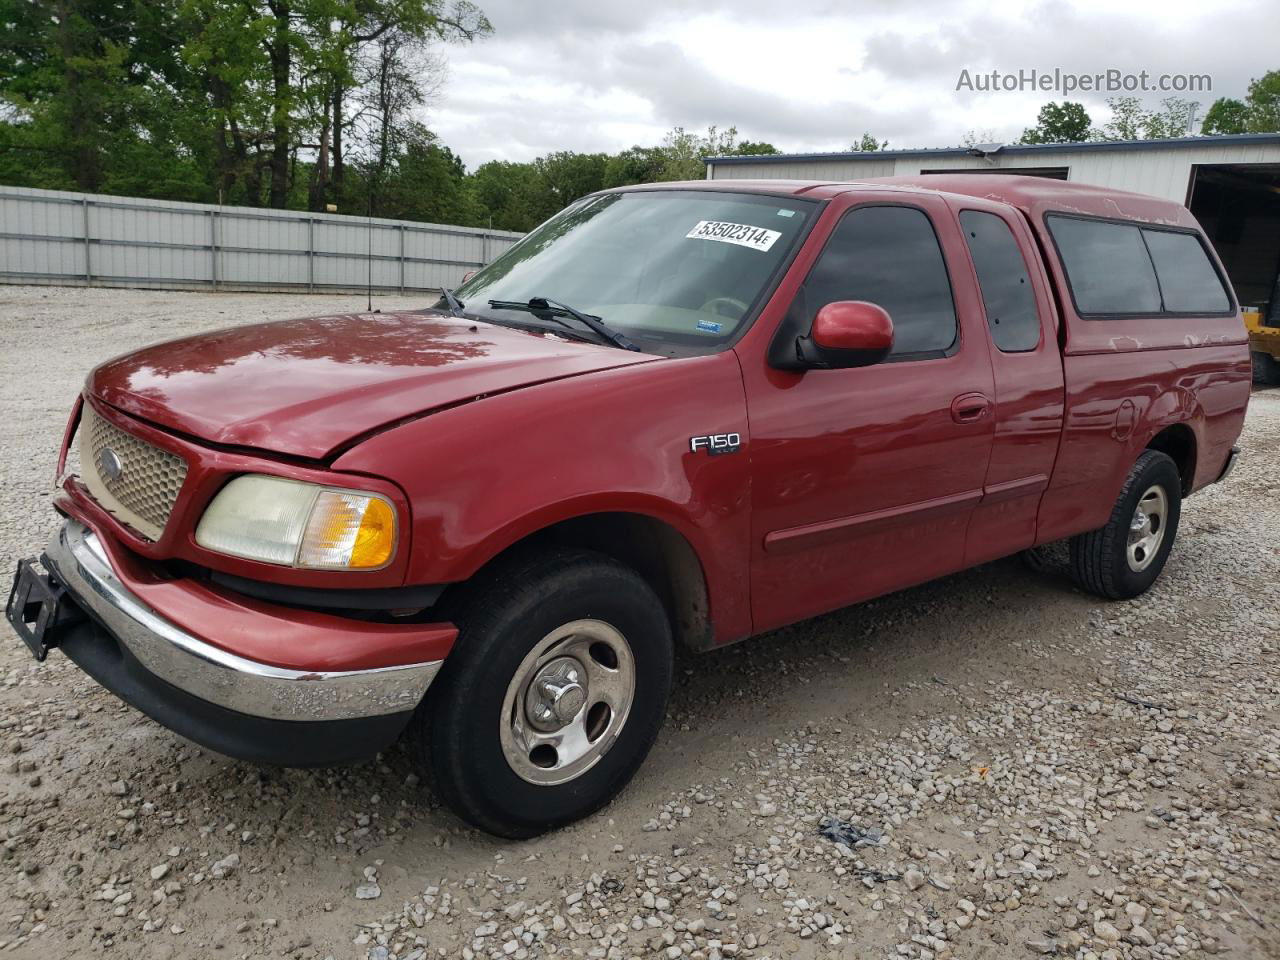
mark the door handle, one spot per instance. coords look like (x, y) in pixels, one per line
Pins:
(969, 407)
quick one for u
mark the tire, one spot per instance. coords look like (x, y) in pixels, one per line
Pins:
(1101, 560)
(1266, 369)
(478, 762)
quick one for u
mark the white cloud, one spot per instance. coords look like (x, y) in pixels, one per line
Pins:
(599, 75)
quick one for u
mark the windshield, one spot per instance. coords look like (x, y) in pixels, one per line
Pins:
(676, 270)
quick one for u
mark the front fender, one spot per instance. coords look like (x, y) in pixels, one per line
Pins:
(484, 475)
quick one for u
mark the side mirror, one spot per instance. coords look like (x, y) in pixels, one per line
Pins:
(846, 333)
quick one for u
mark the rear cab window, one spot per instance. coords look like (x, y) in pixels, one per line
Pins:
(1003, 280)
(1188, 281)
(1129, 269)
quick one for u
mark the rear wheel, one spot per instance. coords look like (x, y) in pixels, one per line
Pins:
(1123, 558)
(553, 694)
(1266, 369)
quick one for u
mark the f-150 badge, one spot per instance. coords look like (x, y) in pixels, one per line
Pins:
(716, 443)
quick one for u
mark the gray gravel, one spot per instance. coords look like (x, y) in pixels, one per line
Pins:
(1040, 773)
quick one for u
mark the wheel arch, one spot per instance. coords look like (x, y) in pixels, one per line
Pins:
(1178, 442)
(652, 546)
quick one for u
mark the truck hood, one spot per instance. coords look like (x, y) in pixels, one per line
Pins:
(307, 387)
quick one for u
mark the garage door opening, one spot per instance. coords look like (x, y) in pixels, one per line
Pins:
(1238, 204)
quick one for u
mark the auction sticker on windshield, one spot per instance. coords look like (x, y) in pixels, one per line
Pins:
(743, 234)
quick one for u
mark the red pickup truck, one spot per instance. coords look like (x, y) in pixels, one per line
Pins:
(680, 413)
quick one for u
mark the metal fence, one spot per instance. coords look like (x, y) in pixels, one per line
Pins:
(55, 237)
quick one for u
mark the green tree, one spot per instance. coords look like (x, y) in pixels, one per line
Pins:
(76, 76)
(1127, 117)
(634, 165)
(1226, 115)
(212, 99)
(1259, 112)
(507, 194)
(1263, 102)
(1173, 119)
(1066, 122)
(565, 176)
(373, 66)
(1131, 121)
(684, 153)
(868, 144)
(227, 95)
(425, 181)
(755, 148)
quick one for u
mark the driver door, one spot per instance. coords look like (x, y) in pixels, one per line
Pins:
(864, 480)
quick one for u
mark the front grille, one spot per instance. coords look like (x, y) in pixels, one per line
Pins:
(134, 481)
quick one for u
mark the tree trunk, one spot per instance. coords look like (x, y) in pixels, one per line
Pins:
(280, 54)
(86, 168)
(250, 169)
(338, 94)
(224, 172)
(318, 192)
(228, 156)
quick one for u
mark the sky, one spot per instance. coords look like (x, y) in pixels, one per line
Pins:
(807, 75)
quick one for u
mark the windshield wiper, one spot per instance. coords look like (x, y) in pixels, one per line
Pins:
(551, 308)
(454, 304)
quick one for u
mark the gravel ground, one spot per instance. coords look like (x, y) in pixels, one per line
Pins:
(1014, 768)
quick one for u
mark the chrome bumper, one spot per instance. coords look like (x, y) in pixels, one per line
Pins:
(76, 557)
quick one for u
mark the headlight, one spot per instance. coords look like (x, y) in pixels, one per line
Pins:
(299, 524)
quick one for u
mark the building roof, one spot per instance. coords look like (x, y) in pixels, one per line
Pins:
(1013, 149)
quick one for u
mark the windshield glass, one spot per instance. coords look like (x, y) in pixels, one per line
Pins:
(676, 270)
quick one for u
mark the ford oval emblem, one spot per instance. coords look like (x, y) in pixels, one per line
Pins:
(110, 465)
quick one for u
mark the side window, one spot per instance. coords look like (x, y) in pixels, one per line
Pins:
(1002, 277)
(1107, 266)
(1188, 281)
(888, 256)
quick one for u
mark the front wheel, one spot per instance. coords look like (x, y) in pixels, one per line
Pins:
(1123, 558)
(553, 694)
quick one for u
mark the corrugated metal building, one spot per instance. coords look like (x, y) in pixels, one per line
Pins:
(1231, 184)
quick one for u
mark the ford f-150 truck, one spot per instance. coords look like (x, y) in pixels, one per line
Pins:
(679, 413)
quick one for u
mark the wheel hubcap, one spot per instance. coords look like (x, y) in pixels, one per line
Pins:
(1146, 528)
(556, 694)
(567, 702)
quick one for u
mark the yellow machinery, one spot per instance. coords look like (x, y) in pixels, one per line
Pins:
(1264, 347)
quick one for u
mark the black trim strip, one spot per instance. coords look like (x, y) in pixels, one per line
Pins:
(371, 598)
(791, 538)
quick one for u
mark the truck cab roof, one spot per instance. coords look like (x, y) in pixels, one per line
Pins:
(1034, 196)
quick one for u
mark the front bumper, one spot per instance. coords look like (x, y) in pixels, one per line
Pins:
(235, 705)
